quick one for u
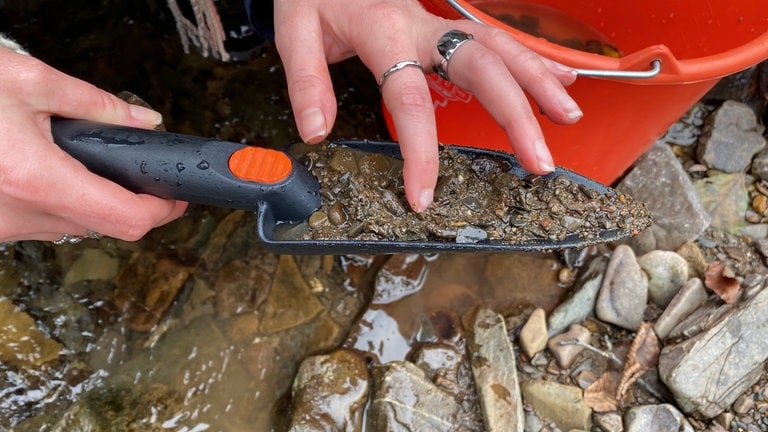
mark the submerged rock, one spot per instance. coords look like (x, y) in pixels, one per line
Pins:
(146, 287)
(290, 301)
(22, 344)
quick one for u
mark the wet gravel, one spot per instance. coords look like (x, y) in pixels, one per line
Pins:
(479, 197)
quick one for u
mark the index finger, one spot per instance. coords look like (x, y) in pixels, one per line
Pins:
(407, 98)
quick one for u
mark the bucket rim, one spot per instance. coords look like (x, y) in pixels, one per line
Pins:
(673, 70)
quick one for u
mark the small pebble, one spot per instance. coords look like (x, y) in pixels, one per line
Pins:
(562, 348)
(533, 335)
(743, 404)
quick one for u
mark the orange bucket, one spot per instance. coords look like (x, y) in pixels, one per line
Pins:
(673, 53)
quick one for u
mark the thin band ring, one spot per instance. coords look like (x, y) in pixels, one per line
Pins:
(73, 239)
(398, 66)
(68, 238)
(446, 47)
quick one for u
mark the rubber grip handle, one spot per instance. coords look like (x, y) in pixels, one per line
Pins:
(190, 168)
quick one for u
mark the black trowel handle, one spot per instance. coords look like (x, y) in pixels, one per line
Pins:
(190, 168)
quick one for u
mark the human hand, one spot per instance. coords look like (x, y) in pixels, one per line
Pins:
(309, 34)
(45, 193)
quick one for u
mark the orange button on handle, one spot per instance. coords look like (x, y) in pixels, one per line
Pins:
(261, 165)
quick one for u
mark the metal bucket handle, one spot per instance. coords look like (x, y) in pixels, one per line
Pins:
(597, 73)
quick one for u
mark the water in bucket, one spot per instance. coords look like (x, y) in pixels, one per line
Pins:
(550, 24)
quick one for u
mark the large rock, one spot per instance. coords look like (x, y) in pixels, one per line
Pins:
(22, 344)
(730, 138)
(659, 180)
(707, 372)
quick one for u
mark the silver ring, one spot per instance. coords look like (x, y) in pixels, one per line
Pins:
(397, 67)
(446, 46)
(67, 238)
(73, 239)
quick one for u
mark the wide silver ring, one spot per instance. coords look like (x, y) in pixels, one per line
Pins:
(398, 66)
(446, 46)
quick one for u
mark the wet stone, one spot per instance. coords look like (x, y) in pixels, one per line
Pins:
(448, 367)
(440, 362)
(401, 275)
(476, 199)
(92, 264)
(330, 393)
(240, 287)
(22, 344)
(405, 400)
(146, 287)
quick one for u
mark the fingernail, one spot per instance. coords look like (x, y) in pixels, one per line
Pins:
(572, 110)
(545, 158)
(312, 125)
(566, 69)
(425, 199)
(145, 115)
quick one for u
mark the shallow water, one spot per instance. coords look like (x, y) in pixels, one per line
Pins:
(196, 327)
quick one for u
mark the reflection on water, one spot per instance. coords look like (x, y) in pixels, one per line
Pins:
(549, 23)
(402, 314)
(196, 327)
